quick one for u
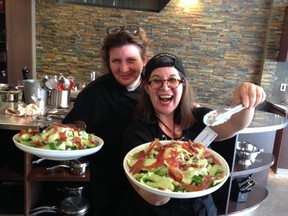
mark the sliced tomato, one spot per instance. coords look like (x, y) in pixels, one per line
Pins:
(62, 136)
(175, 173)
(77, 141)
(191, 148)
(137, 167)
(38, 144)
(159, 160)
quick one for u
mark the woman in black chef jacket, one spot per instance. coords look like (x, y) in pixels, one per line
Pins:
(106, 106)
(164, 112)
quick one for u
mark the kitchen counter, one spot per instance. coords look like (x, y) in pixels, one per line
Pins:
(11, 122)
(265, 121)
(262, 121)
(279, 106)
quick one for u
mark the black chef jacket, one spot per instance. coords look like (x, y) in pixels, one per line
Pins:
(106, 107)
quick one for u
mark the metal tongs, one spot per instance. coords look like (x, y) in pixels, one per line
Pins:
(214, 118)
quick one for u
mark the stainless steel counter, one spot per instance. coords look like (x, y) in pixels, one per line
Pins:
(262, 121)
(11, 122)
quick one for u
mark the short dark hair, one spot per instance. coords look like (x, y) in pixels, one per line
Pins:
(122, 38)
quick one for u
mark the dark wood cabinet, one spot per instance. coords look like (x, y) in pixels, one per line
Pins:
(37, 179)
(283, 51)
(20, 38)
(3, 51)
(281, 144)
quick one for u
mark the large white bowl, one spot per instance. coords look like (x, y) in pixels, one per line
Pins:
(176, 194)
(58, 155)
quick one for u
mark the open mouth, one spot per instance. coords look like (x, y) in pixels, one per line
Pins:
(166, 98)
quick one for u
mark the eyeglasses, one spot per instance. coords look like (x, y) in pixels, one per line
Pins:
(171, 83)
(130, 28)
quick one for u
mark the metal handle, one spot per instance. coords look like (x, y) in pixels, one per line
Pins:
(230, 111)
(57, 167)
(43, 209)
(214, 118)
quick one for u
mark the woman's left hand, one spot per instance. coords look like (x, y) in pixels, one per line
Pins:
(249, 94)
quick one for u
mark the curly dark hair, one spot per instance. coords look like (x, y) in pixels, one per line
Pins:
(122, 38)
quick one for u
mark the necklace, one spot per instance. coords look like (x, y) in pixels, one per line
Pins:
(171, 131)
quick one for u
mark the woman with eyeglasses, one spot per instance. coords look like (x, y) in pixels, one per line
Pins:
(106, 106)
(164, 111)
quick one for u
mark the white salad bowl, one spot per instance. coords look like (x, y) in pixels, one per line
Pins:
(58, 155)
(171, 194)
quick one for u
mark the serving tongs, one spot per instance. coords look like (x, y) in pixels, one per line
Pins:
(215, 117)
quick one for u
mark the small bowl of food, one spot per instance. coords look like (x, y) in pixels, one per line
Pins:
(246, 152)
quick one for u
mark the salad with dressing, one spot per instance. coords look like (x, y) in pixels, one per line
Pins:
(176, 166)
(58, 137)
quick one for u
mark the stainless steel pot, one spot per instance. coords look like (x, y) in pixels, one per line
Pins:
(72, 191)
(72, 205)
(4, 87)
(246, 152)
(76, 167)
(9, 93)
(10, 96)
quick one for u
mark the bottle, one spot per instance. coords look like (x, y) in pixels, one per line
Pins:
(25, 73)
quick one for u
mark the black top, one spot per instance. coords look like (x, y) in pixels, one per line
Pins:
(139, 133)
(106, 107)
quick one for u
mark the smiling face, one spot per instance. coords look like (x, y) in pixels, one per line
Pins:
(165, 100)
(126, 64)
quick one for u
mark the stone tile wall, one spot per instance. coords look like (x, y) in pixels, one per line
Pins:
(221, 42)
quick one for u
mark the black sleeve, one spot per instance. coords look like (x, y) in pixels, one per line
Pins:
(80, 110)
(192, 132)
(135, 134)
(200, 112)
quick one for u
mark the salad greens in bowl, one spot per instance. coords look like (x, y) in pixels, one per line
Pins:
(58, 142)
(176, 169)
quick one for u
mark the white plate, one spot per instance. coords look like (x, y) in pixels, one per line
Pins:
(170, 193)
(58, 154)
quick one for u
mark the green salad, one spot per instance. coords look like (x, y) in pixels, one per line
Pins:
(177, 166)
(58, 137)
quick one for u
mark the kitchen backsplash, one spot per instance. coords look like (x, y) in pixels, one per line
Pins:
(221, 43)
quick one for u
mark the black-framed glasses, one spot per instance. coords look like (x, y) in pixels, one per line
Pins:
(130, 28)
(171, 83)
